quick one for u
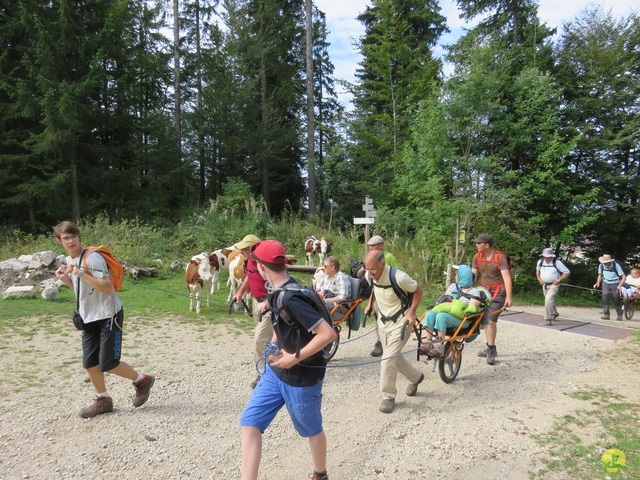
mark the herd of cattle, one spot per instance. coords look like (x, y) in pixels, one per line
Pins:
(203, 271)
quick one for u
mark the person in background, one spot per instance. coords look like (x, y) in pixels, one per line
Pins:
(630, 287)
(550, 272)
(103, 317)
(294, 376)
(611, 276)
(376, 243)
(254, 283)
(492, 266)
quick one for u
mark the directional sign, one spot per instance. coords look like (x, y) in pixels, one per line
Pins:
(371, 214)
(363, 221)
(367, 208)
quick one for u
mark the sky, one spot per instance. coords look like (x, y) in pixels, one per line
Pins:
(345, 29)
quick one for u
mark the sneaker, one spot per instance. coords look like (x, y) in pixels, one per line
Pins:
(619, 318)
(143, 387)
(100, 405)
(491, 354)
(549, 322)
(255, 382)
(555, 315)
(377, 349)
(412, 388)
(319, 476)
(605, 317)
(387, 405)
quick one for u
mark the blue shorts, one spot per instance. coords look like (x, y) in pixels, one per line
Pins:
(269, 396)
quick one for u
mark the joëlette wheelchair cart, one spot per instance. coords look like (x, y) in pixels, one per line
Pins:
(455, 338)
(347, 314)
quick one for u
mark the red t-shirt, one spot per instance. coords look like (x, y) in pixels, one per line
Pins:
(256, 282)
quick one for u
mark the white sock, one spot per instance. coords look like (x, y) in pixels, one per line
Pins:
(104, 394)
(140, 377)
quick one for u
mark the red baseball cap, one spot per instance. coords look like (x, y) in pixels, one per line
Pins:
(270, 251)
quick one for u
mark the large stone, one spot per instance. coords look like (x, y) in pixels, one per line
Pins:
(25, 258)
(20, 292)
(14, 264)
(46, 258)
(50, 292)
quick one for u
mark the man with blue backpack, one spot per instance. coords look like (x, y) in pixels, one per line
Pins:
(611, 276)
(395, 297)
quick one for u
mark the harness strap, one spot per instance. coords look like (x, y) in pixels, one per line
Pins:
(395, 316)
(494, 288)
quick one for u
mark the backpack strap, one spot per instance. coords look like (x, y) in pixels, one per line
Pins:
(400, 293)
(78, 282)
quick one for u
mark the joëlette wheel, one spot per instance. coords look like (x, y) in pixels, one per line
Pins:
(448, 367)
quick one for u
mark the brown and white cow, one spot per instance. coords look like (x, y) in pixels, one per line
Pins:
(223, 262)
(236, 274)
(311, 248)
(198, 277)
(325, 249)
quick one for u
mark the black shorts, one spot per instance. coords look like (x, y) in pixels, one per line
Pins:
(493, 312)
(102, 342)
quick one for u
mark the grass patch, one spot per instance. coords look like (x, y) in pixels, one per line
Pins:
(576, 443)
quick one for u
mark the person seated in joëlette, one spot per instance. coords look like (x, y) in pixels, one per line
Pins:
(336, 287)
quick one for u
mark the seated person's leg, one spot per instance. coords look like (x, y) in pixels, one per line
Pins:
(430, 319)
(445, 320)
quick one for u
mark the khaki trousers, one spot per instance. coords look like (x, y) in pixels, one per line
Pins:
(392, 345)
(264, 330)
(550, 291)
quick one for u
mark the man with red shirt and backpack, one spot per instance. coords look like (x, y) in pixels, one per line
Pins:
(255, 284)
(494, 270)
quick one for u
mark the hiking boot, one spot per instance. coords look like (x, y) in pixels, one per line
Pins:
(319, 476)
(491, 354)
(483, 353)
(100, 405)
(143, 387)
(255, 382)
(377, 349)
(549, 322)
(605, 316)
(412, 388)
(619, 318)
(387, 405)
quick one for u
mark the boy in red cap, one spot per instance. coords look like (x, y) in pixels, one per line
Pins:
(294, 376)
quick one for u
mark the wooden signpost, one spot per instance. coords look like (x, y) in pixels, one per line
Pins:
(368, 219)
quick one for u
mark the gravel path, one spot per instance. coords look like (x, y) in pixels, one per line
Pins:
(478, 427)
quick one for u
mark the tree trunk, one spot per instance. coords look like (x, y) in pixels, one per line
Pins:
(266, 187)
(176, 85)
(311, 161)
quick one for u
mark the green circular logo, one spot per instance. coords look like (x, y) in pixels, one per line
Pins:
(614, 461)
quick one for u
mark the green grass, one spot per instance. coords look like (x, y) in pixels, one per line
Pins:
(576, 443)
